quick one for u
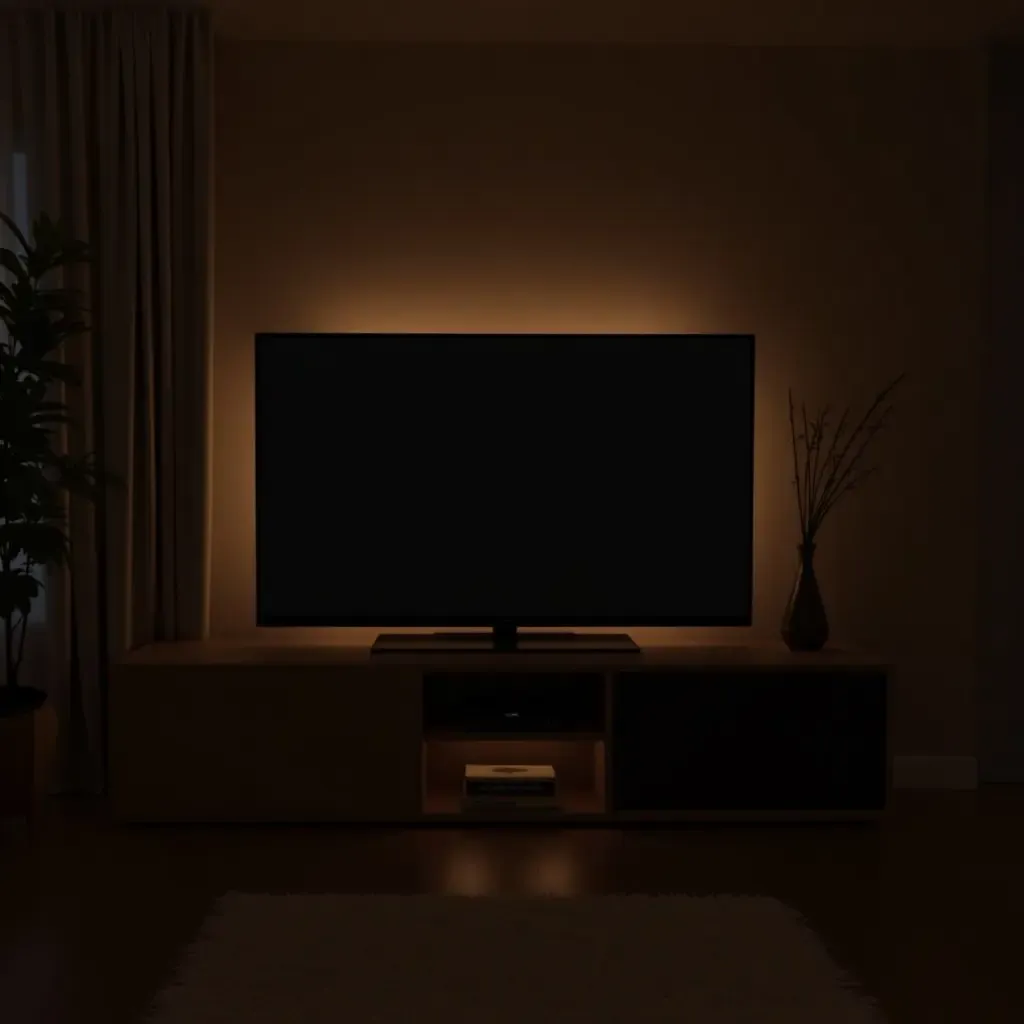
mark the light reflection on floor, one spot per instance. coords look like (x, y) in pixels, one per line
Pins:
(542, 868)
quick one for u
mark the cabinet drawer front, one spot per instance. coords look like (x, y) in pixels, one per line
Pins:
(769, 740)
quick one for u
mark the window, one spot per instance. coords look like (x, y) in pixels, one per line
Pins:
(17, 210)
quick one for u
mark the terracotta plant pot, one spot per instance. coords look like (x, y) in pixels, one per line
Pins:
(28, 751)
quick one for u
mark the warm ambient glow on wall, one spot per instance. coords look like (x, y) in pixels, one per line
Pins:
(606, 301)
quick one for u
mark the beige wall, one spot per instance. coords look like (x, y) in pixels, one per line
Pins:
(1001, 598)
(830, 201)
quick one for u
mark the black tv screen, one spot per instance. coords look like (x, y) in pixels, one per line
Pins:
(468, 480)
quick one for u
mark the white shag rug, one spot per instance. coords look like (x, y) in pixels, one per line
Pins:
(409, 959)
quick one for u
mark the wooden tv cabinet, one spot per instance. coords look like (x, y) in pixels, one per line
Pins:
(229, 732)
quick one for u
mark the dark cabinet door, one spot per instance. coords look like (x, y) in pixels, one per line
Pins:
(766, 740)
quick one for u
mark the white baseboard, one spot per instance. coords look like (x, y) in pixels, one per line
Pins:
(925, 772)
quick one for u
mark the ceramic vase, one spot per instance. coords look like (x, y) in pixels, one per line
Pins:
(805, 624)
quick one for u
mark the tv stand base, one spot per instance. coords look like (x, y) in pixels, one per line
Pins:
(222, 731)
(545, 643)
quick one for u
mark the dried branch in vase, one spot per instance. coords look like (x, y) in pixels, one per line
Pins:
(825, 470)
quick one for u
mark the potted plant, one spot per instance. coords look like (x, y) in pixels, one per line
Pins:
(36, 478)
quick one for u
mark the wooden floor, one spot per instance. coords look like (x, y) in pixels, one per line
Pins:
(926, 908)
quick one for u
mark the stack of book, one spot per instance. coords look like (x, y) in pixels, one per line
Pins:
(511, 787)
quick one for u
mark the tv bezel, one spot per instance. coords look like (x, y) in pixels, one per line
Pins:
(485, 621)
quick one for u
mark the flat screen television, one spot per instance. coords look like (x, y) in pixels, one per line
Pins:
(458, 481)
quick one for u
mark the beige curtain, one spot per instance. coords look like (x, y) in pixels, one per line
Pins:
(112, 110)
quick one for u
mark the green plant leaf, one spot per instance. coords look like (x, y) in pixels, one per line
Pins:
(51, 370)
(18, 589)
(40, 543)
(15, 230)
(36, 477)
(10, 262)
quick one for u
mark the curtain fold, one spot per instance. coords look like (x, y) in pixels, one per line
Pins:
(112, 109)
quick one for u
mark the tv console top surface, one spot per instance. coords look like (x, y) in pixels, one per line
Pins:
(266, 652)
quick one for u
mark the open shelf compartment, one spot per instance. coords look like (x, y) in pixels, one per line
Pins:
(579, 765)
